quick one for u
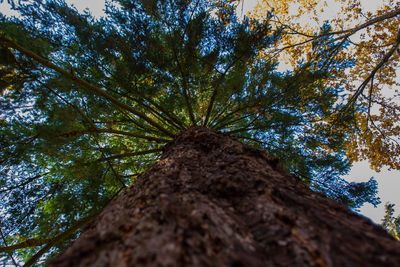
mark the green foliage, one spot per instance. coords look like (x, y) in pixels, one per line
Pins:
(91, 103)
(391, 223)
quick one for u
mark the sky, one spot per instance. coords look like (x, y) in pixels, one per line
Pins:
(388, 181)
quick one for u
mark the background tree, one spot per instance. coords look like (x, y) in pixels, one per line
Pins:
(371, 40)
(88, 104)
(390, 222)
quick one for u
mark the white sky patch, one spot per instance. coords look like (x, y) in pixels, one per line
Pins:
(245, 6)
(96, 7)
(5, 9)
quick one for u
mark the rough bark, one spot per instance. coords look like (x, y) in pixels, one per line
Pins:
(213, 201)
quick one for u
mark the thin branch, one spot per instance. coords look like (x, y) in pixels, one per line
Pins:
(385, 105)
(222, 111)
(254, 140)
(100, 147)
(83, 83)
(170, 118)
(171, 115)
(150, 138)
(385, 59)
(227, 116)
(244, 129)
(247, 127)
(9, 252)
(185, 89)
(344, 34)
(138, 124)
(33, 242)
(191, 16)
(112, 131)
(94, 127)
(29, 180)
(215, 92)
(233, 121)
(369, 118)
(166, 119)
(60, 237)
(131, 154)
(370, 100)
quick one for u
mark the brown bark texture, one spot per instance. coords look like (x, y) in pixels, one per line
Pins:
(213, 201)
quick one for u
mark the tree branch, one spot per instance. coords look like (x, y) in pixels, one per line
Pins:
(9, 252)
(33, 242)
(112, 131)
(215, 92)
(60, 237)
(24, 183)
(131, 154)
(385, 59)
(170, 118)
(83, 83)
(343, 33)
(227, 116)
(185, 89)
(95, 128)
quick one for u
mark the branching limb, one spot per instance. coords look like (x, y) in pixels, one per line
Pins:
(29, 180)
(223, 111)
(59, 238)
(83, 83)
(95, 128)
(185, 90)
(234, 121)
(131, 154)
(227, 116)
(33, 242)
(215, 91)
(112, 131)
(160, 112)
(141, 136)
(342, 34)
(9, 252)
(371, 76)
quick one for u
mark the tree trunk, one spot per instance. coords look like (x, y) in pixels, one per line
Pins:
(213, 201)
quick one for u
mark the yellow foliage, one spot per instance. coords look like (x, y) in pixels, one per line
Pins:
(372, 34)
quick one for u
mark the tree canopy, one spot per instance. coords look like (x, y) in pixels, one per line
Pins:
(88, 103)
(371, 40)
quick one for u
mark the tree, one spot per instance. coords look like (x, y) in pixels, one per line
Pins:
(212, 201)
(89, 104)
(391, 223)
(371, 40)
